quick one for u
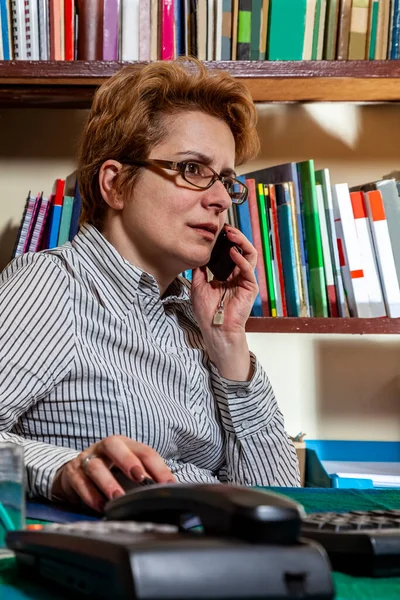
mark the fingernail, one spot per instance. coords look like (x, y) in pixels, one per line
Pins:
(171, 480)
(137, 473)
(117, 494)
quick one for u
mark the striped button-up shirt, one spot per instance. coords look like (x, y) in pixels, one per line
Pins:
(89, 348)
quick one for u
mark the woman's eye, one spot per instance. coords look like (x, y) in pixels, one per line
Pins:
(193, 169)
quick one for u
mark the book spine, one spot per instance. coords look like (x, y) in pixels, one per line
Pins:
(287, 249)
(286, 29)
(56, 214)
(315, 30)
(331, 30)
(5, 30)
(383, 251)
(264, 30)
(244, 30)
(111, 29)
(18, 29)
(373, 30)
(395, 31)
(266, 250)
(200, 28)
(167, 29)
(330, 282)
(309, 29)
(218, 30)
(144, 30)
(376, 302)
(344, 30)
(32, 222)
(43, 15)
(33, 25)
(256, 229)
(155, 29)
(302, 285)
(255, 29)
(344, 213)
(226, 42)
(210, 28)
(37, 234)
(358, 40)
(55, 29)
(279, 278)
(90, 34)
(23, 228)
(390, 198)
(235, 19)
(65, 221)
(69, 27)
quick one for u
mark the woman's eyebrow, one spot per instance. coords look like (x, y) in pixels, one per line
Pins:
(205, 160)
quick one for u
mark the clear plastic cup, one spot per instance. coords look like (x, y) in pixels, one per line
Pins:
(12, 493)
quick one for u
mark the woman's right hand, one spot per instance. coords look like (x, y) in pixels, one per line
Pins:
(92, 481)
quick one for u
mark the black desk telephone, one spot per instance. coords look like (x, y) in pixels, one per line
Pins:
(249, 547)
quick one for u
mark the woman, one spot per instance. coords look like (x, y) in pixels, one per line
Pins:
(108, 357)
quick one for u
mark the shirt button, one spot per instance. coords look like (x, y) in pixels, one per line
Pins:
(246, 425)
(242, 393)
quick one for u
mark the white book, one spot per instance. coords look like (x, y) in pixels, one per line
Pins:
(144, 30)
(18, 29)
(329, 279)
(154, 22)
(382, 474)
(210, 29)
(309, 29)
(346, 231)
(33, 52)
(130, 29)
(330, 223)
(376, 302)
(218, 29)
(383, 251)
(44, 46)
(391, 202)
(202, 30)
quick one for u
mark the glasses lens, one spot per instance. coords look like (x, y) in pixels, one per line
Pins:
(198, 174)
(236, 190)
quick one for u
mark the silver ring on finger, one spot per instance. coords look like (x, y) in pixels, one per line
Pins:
(85, 461)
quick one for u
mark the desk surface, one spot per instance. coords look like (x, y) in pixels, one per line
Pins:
(313, 500)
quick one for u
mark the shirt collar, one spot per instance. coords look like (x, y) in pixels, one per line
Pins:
(117, 281)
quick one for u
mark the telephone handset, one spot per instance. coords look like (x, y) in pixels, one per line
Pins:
(224, 510)
(221, 264)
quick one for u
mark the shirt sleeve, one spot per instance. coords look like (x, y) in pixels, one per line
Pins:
(258, 449)
(36, 353)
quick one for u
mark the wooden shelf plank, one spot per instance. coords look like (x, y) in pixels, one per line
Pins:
(72, 83)
(315, 325)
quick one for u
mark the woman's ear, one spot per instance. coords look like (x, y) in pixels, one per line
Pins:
(108, 172)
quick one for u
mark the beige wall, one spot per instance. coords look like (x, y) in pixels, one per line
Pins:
(333, 387)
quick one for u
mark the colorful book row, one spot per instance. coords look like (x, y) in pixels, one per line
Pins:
(208, 29)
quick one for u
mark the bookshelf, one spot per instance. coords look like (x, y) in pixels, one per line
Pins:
(63, 84)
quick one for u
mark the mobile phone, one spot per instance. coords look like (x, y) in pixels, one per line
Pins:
(221, 264)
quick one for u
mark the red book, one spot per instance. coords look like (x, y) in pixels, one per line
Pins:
(69, 19)
(255, 227)
(167, 29)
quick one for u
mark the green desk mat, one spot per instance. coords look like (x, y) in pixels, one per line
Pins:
(313, 500)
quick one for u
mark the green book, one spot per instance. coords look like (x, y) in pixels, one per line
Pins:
(65, 223)
(265, 239)
(286, 26)
(331, 29)
(317, 285)
(373, 29)
(255, 29)
(314, 54)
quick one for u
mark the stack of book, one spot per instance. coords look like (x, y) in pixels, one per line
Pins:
(323, 250)
(48, 221)
(208, 29)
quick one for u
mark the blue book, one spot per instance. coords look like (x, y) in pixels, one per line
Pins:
(286, 238)
(5, 30)
(395, 33)
(244, 224)
(179, 28)
(76, 212)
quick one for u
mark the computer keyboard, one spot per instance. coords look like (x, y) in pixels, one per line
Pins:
(358, 542)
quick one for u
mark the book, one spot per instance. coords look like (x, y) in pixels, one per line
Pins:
(55, 214)
(373, 30)
(382, 34)
(155, 28)
(111, 29)
(383, 251)
(76, 212)
(257, 240)
(286, 238)
(38, 231)
(18, 29)
(255, 29)
(286, 29)
(90, 32)
(317, 283)
(355, 282)
(65, 221)
(344, 30)
(331, 29)
(266, 249)
(6, 30)
(309, 29)
(166, 29)
(264, 29)
(322, 177)
(24, 225)
(209, 29)
(376, 302)
(69, 29)
(218, 30)
(358, 40)
(244, 30)
(328, 269)
(226, 42)
(281, 308)
(201, 30)
(395, 31)
(235, 19)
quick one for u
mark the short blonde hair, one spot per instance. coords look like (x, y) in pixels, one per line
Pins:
(127, 119)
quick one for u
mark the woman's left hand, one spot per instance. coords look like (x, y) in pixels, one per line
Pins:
(240, 295)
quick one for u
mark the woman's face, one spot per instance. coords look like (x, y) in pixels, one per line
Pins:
(167, 221)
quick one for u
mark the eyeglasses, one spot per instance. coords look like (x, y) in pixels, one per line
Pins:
(199, 175)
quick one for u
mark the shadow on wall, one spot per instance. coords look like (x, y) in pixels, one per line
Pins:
(7, 241)
(358, 384)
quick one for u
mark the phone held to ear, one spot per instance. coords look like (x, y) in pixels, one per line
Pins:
(250, 548)
(221, 264)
